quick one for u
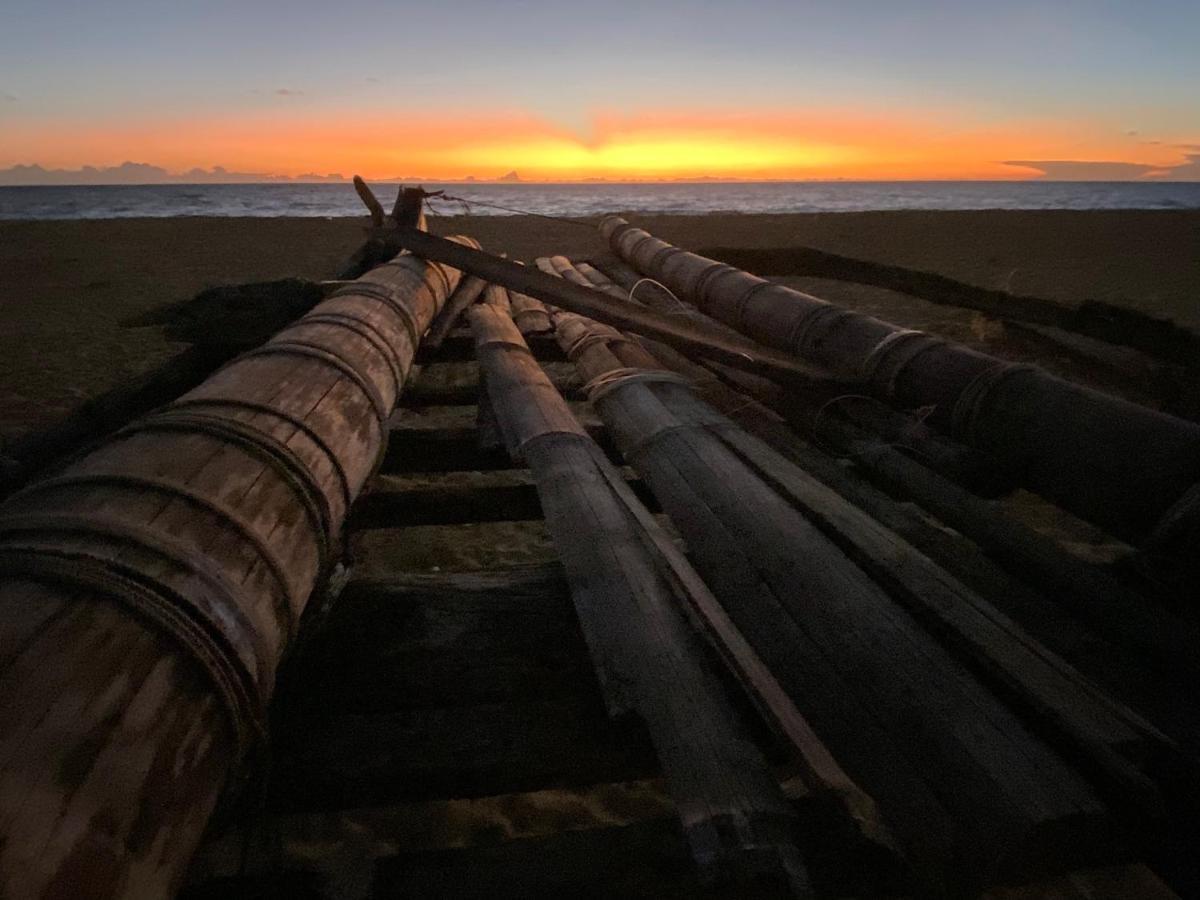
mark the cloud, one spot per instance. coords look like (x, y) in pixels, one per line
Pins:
(7, 97)
(373, 80)
(1188, 171)
(1092, 170)
(1083, 170)
(1133, 132)
(288, 92)
(144, 173)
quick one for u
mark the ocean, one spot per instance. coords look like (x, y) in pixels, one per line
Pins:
(126, 201)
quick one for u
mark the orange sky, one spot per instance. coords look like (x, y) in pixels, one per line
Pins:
(763, 144)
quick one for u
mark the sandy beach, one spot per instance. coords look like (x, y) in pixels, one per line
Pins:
(67, 286)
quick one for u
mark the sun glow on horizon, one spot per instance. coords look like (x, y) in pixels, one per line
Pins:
(653, 155)
(765, 145)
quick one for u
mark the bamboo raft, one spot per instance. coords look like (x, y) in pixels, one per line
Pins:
(776, 644)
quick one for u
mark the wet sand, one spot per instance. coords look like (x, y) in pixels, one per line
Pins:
(66, 286)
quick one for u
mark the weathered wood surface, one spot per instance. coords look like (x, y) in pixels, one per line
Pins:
(458, 383)
(468, 291)
(448, 685)
(440, 640)
(150, 589)
(1110, 607)
(459, 346)
(859, 667)
(347, 760)
(370, 201)
(420, 444)
(739, 827)
(380, 245)
(530, 315)
(1108, 734)
(1095, 319)
(493, 496)
(975, 470)
(1110, 461)
(738, 352)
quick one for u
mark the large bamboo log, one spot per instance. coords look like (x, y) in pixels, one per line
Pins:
(628, 596)
(977, 471)
(1115, 463)
(1095, 319)
(150, 590)
(969, 790)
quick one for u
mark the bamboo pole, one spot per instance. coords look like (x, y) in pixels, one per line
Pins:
(735, 351)
(949, 766)
(1110, 461)
(977, 471)
(1095, 319)
(628, 582)
(150, 589)
(1120, 668)
(467, 292)
(1119, 743)
(1161, 638)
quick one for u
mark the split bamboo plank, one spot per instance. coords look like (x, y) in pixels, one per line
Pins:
(1165, 640)
(876, 686)
(739, 826)
(1113, 737)
(1112, 462)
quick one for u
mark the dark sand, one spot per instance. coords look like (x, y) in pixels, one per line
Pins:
(66, 286)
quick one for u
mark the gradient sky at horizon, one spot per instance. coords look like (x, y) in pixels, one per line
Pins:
(768, 88)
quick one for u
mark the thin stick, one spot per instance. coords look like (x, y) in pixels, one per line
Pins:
(369, 200)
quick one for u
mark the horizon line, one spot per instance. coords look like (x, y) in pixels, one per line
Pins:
(293, 182)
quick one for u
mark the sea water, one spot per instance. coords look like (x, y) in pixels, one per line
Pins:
(591, 199)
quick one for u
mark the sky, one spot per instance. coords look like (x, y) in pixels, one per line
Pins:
(760, 89)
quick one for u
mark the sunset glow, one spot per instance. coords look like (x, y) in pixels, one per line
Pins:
(914, 90)
(782, 145)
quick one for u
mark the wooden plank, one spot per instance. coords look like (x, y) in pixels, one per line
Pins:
(1109, 607)
(419, 446)
(848, 654)
(459, 346)
(1131, 881)
(457, 383)
(1110, 736)
(1112, 462)
(444, 640)
(644, 859)
(648, 660)
(495, 496)
(336, 760)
